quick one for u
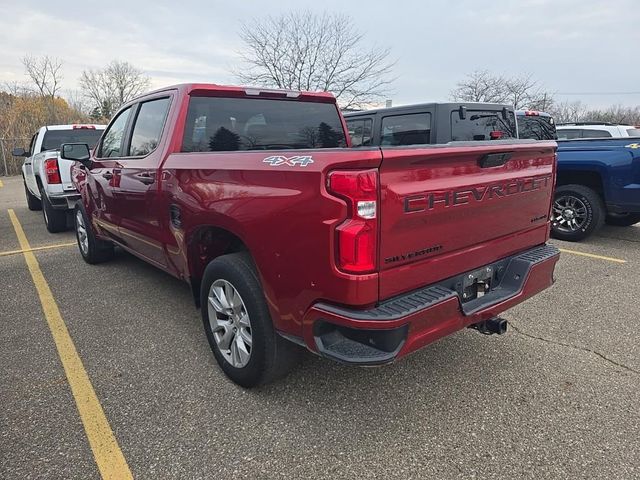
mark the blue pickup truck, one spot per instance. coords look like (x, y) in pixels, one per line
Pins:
(598, 179)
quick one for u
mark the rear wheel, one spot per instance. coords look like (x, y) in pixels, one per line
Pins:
(238, 324)
(622, 219)
(578, 211)
(55, 220)
(92, 249)
(33, 202)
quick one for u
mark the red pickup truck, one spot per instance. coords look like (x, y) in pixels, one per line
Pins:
(290, 238)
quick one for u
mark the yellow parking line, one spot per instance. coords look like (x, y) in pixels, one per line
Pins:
(1, 184)
(106, 451)
(35, 249)
(591, 255)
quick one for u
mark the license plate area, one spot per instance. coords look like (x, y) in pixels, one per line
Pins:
(476, 284)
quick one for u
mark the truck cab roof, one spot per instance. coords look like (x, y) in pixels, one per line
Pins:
(245, 91)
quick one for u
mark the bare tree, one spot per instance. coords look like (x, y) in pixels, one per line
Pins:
(615, 114)
(314, 52)
(523, 92)
(111, 87)
(480, 86)
(45, 73)
(566, 111)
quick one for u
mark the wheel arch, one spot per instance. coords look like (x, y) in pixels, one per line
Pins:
(588, 178)
(204, 244)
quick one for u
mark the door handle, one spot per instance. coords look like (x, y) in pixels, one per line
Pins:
(107, 175)
(146, 178)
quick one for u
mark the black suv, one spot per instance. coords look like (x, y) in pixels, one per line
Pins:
(431, 123)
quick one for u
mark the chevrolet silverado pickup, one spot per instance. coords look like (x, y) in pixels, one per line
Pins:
(288, 237)
(47, 178)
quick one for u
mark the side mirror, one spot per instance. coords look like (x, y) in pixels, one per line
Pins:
(19, 152)
(78, 152)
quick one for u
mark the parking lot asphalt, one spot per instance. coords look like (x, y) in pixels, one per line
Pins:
(556, 397)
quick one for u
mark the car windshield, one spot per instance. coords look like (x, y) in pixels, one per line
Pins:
(229, 124)
(482, 125)
(536, 127)
(54, 138)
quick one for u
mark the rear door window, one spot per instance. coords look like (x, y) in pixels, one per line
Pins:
(633, 132)
(482, 125)
(360, 131)
(569, 133)
(231, 124)
(412, 129)
(148, 127)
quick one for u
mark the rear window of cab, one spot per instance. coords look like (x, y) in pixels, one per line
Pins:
(478, 125)
(216, 124)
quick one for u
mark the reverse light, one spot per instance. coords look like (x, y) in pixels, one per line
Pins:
(52, 171)
(357, 236)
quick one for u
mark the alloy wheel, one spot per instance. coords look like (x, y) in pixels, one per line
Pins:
(569, 213)
(81, 231)
(229, 323)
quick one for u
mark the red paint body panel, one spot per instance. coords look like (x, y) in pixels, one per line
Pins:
(430, 324)
(287, 219)
(466, 233)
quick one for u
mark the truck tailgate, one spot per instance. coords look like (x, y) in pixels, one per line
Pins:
(452, 208)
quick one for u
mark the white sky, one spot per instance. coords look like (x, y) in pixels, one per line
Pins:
(588, 47)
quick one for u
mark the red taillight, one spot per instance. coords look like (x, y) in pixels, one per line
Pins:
(531, 113)
(496, 135)
(52, 171)
(84, 127)
(357, 236)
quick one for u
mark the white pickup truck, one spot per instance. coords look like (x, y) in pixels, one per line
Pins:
(47, 177)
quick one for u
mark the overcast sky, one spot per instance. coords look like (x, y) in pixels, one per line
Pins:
(579, 49)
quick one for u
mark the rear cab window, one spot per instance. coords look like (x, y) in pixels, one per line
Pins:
(217, 124)
(54, 138)
(478, 125)
(633, 132)
(410, 129)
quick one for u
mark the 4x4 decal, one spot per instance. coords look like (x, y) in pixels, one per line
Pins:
(301, 160)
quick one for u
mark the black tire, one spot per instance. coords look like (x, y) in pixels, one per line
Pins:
(622, 219)
(587, 202)
(33, 202)
(271, 356)
(96, 251)
(55, 220)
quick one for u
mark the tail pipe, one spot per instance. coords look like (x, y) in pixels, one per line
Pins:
(495, 325)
